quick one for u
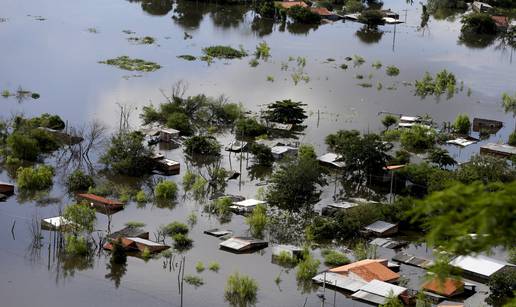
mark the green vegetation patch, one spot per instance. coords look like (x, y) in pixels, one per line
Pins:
(224, 52)
(127, 63)
(187, 57)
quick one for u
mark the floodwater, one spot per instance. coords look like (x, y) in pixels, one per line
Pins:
(47, 48)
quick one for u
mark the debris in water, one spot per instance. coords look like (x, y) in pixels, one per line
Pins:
(127, 63)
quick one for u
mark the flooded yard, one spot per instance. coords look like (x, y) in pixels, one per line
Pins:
(54, 48)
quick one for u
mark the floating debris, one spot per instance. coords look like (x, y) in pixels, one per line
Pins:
(129, 32)
(146, 40)
(93, 30)
(187, 57)
(126, 63)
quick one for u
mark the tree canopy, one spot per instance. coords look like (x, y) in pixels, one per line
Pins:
(286, 112)
(127, 155)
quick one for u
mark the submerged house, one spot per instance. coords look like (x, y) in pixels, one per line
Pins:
(325, 13)
(292, 250)
(502, 22)
(236, 146)
(379, 292)
(499, 150)
(55, 223)
(288, 4)
(480, 7)
(6, 188)
(281, 151)
(448, 287)
(128, 232)
(478, 267)
(247, 205)
(168, 135)
(332, 160)
(382, 229)
(101, 203)
(243, 244)
(488, 125)
(139, 244)
(218, 232)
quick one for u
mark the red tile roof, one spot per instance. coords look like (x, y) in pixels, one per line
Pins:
(447, 287)
(368, 270)
(100, 199)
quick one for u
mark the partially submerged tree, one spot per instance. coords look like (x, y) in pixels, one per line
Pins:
(240, 290)
(79, 181)
(286, 112)
(462, 124)
(81, 216)
(441, 157)
(35, 178)
(127, 154)
(202, 145)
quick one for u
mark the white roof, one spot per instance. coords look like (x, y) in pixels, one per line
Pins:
(57, 221)
(340, 281)
(409, 118)
(501, 148)
(169, 130)
(144, 241)
(382, 288)
(281, 126)
(343, 205)
(276, 250)
(331, 158)
(369, 297)
(380, 226)
(248, 203)
(482, 265)
(461, 142)
(170, 162)
(282, 149)
(235, 243)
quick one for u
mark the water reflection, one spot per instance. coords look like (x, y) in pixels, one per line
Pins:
(476, 41)
(262, 26)
(445, 9)
(369, 35)
(155, 7)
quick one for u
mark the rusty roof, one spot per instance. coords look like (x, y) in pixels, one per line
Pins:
(289, 4)
(501, 21)
(368, 269)
(100, 199)
(446, 287)
(321, 11)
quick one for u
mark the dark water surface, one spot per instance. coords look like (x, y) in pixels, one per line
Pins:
(57, 57)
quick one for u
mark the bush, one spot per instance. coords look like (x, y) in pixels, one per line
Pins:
(257, 221)
(195, 281)
(188, 180)
(47, 121)
(307, 268)
(462, 124)
(307, 151)
(146, 254)
(389, 120)
(202, 145)
(240, 290)
(134, 224)
(224, 52)
(127, 154)
(334, 258)
(392, 70)
(35, 178)
(82, 216)
(303, 15)
(512, 139)
(478, 23)
(76, 246)
(444, 82)
(214, 266)
(199, 267)
(353, 6)
(182, 242)
(141, 197)
(371, 17)
(175, 228)
(166, 190)
(249, 127)
(418, 138)
(262, 154)
(181, 122)
(22, 147)
(79, 181)
(222, 205)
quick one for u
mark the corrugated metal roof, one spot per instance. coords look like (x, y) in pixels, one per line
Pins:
(57, 221)
(340, 281)
(100, 199)
(382, 288)
(369, 297)
(380, 226)
(500, 148)
(248, 203)
(145, 242)
(481, 265)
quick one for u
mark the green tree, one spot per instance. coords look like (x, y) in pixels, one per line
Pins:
(202, 145)
(441, 157)
(486, 169)
(79, 181)
(165, 190)
(512, 139)
(22, 146)
(181, 122)
(389, 120)
(418, 138)
(306, 151)
(286, 112)
(240, 290)
(35, 178)
(294, 185)
(303, 15)
(249, 127)
(262, 154)
(392, 301)
(265, 8)
(82, 217)
(462, 124)
(502, 287)
(257, 221)
(478, 23)
(127, 154)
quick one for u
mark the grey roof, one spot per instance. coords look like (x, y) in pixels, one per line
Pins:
(339, 281)
(280, 149)
(276, 250)
(382, 288)
(343, 205)
(217, 232)
(332, 158)
(500, 148)
(369, 297)
(481, 265)
(386, 242)
(145, 242)
(380, 226)
(241, 243)
(248, 203)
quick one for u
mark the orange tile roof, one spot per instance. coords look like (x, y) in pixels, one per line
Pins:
(368, 270)
(448, 287)
(289, 4)
(100, 199)
(321, 11)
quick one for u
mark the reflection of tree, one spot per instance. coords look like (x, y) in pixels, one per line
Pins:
(300, 28)
(229, 16)
(262, 26)
(68, 265)
(369, 35)
(116, 272)
(155, 7)
(189, 14)
(473, 40)
(446, 9)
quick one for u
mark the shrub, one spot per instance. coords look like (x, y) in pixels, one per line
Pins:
(141, 197)
(240, 290)
(127, 63)
(79, 181)
(391, 135)
(389, 120)
(166, 190)
(47, 121)
(262, 154)
(199, 267)
(181, 122)
(392, 70)
(182, 242)
(146, 254)
(199, 187)
(444, 81)
(307, 151)
(77, 246)
(82, 216)
(286, 259)
(222, 205)
(35, 178)
(188, 180)
(512, 139)
(214, 266)
(127, 154)
(307, 268)
(202, 145)
(303, 15)
(334, 258)
(257, 221)
(192, 219)
(262, 51)
(418, 138)
(195, 281)
(462, 124)
(134, 224)
(224, 52)
(22, 146)
(353, 6)
(249, 127)
(175, 228)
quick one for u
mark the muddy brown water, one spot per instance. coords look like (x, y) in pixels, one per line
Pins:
(57, 57)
